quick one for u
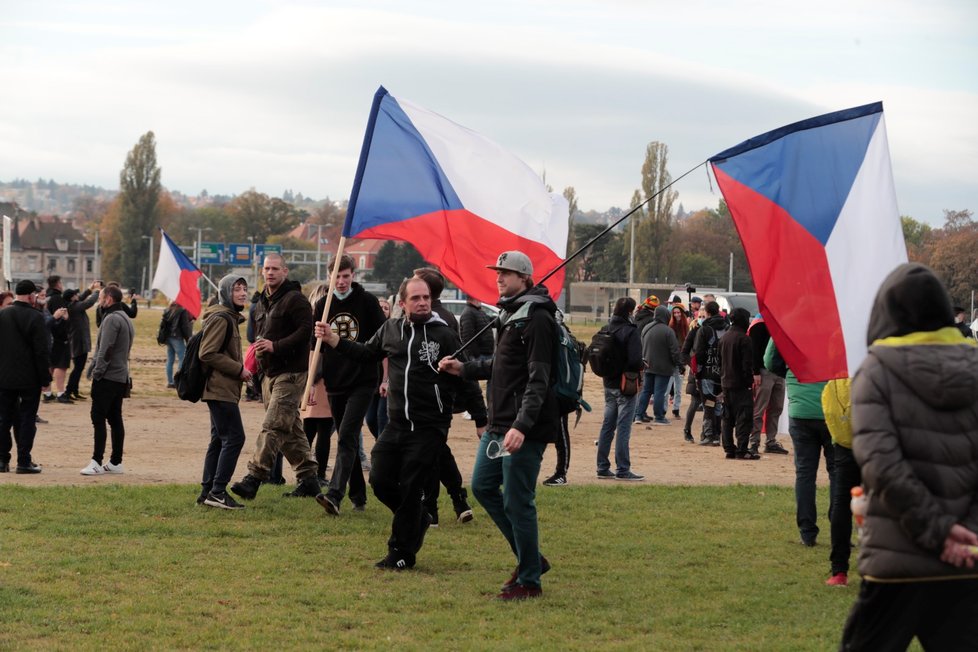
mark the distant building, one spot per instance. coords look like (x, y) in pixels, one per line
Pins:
(364, 252)
(44, 245)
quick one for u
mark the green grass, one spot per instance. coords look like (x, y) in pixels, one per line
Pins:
(634, 568)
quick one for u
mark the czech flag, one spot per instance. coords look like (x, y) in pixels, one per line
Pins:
(455, 195)
(815, 208)
(176, 276)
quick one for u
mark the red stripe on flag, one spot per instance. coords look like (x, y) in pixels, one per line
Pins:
(189, 296)
(462, 244)
(793, 281)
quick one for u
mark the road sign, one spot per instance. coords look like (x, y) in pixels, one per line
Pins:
(211, 253)
(239, 253)
(262, 249)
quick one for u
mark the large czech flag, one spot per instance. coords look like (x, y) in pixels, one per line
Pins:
(455, 195)
(815, 208)
(177, 277)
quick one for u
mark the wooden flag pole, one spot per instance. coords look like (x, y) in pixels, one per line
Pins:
(319, 343)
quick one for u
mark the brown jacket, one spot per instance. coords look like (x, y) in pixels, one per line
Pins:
(225, 381)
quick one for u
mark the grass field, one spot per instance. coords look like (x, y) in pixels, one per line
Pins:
(634, 568)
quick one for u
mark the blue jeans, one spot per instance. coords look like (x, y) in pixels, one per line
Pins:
(642, 407)
(660, 389)
(811, 439)
(618, 411)
(175, 348)
(676, 385)
(514, 508)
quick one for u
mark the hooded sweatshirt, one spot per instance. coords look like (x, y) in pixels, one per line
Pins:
(736, 353)
(915, 430)
(355, 317)
(285, 318)
(220, 323)
(660, 348)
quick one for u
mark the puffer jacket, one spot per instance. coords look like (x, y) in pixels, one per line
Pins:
(915, 437)
(224, 383)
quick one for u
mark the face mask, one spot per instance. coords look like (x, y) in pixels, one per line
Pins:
(700, 320)
(342, 295)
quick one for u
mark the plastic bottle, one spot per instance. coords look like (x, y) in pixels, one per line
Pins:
(858, 505)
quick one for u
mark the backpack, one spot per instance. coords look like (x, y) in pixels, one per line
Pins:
(569, 382)
(605, 355)
(192, 377)
(164, 332)
(837, 408)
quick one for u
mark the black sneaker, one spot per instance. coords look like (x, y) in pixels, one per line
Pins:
(606, 475)
(38, 419)
(49, 398)
(776, 449)
(77, 397)
(247, 488)
(394, 562)
(222, 501)
(64, 398)
(332, 508)
(675, 414)
(629, 477)
(688, 436)
(202, 496)
(308, 487)
(556, 480)
(463, 511)
(30, 468)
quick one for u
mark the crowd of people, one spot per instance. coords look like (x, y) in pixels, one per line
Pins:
(911, 446)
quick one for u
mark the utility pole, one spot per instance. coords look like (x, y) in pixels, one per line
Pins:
(730, 276)
(319, 249)
(631, 256)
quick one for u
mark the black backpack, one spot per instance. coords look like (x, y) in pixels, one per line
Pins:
(569, 383)
(605, 354)
(192, 377)
(164, 332)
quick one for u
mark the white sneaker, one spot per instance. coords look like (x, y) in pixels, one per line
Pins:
(93, 468)
(109, 467)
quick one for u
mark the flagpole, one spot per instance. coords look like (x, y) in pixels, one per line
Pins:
(319, 343)
(586, 246)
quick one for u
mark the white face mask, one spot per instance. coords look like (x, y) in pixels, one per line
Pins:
(700, 320)
(342, 295)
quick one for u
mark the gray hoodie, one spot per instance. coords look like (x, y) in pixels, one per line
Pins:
(660, 349)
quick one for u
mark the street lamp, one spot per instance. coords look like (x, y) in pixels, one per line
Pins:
(199, 231)
(79, 270)
(254, 259)
(149, 290)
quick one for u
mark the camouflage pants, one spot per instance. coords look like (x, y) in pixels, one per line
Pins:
(281, 431)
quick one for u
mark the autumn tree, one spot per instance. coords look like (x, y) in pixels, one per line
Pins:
(917, 236)
(653, 231)
(260, 216)
(138, 212)
(952, 255)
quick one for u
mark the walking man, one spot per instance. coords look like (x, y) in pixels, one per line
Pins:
(406, 455)
(24, 370)
(619, 408)
(519, 430)
(283, 321)
(109, 372)
(355, 315)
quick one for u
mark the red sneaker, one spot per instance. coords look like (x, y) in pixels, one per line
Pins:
(839, 579)
(520, 592)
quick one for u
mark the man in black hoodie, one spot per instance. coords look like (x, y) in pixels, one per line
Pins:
(354, 315)
(737, 380)
(523, 416)
(283, 323)
(406, 455)
(706, 348)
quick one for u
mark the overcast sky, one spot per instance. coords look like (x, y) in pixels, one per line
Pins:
(275, 95)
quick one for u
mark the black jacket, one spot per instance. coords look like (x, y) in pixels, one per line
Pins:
(707, 350)
(178, 323)
(737, 354)
(521, 394)
(25, 361)
(626, 337)
(471, 322)
(60, 328)
(355, 318)
(79, 326)
(419, 395)
(285, 318)
(759, 337)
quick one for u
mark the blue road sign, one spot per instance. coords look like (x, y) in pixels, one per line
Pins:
(239, 253)
(262, 249)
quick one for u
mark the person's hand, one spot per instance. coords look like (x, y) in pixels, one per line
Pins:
(312, 397)
(264, 346)
(245, 374)
(384, 388)
(326, 334)
(450, 365)
(959, 547)
(94, 287)
(479, 431)
(61, 313)
(513, 440)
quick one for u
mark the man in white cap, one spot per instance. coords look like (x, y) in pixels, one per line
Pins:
(511, 450)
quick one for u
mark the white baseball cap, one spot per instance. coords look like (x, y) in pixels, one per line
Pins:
(513, 261)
